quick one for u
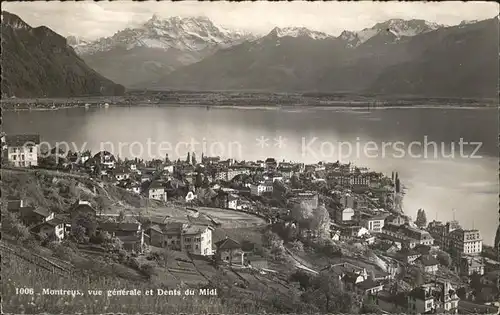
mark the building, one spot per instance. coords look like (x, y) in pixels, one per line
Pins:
(260, 189)
(396, 219)
(21, 150)
(408, 256)
(232, 201)
(31, 215)
(156, 237)
(271, 163)
(197, 239)
(309, 197)
(441, 233)
(368, 287)
(407, 235)
(470, 264)
(344, 215)
(156, 191)
(105, 159)
(56, 228)
(172, 235)
(347, 201)
(121, 173)
(374, 224)
(236, 170)
(429, 263)
(286, 171)
(491, 279)
(229, 251)
(82, 207)
(130, 234)
(420, 301)
(423, 237)
(468, 242)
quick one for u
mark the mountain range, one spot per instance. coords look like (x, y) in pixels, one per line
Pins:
(159, 46)
(37, 62)
(396, 57)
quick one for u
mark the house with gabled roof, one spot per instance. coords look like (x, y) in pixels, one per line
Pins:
(56, 228)
(22, 150)
(130, 233)
(197, 239)
(30, 215)
(229, 251)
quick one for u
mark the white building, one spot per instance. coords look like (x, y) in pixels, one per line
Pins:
(21, 150)
(197, 239)
(345, 215)
(260, 189)
(156, 191)
(374, 224)
(468, 242)
(232, 201)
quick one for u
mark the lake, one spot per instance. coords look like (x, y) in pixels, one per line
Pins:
(422, 144)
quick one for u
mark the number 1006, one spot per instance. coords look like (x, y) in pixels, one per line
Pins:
(24, 290)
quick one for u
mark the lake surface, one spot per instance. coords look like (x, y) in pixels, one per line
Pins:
(384, 140)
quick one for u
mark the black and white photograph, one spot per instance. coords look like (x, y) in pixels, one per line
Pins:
(284, 157)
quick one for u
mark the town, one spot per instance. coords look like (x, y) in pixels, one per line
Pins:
(332, 222)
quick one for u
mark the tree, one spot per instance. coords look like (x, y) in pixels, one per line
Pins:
(497, 240)
(103, 203)
(297, 246)
(444, 258)
(303, 278)
(11, 225)
(327, 292)
(193, 159)
(199, 180)
(321, 221)
(188, 158)
(370, 308)
(302, 211)
(121, 216)
(167, 160)
(84, 224)
(295, 181)
(421, 220)
(398, 185)
(418, 280)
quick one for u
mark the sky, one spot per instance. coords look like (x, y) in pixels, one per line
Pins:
(91, 20)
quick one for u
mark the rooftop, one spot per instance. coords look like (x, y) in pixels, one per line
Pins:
(228, 243)
(22, 140)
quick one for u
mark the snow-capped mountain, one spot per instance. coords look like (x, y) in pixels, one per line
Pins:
(396, 28)
(298, 32)
(155, 48)
(193, 34)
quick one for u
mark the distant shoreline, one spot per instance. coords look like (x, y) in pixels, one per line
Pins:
(270, 107)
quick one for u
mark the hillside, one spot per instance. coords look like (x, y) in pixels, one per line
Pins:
(396, 57)
(459, 61)
(37, 62)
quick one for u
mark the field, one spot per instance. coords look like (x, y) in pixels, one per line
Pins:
(239, 290)
(232, 219)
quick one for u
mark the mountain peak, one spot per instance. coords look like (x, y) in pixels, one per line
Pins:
(297, 32)
(397, 27)
(193, 34)
(14, 21)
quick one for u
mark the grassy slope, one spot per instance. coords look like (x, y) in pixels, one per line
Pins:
(102, 271)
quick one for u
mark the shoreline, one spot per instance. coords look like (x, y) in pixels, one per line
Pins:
(289, 108)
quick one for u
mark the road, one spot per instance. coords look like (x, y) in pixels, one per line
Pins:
(299, 264)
